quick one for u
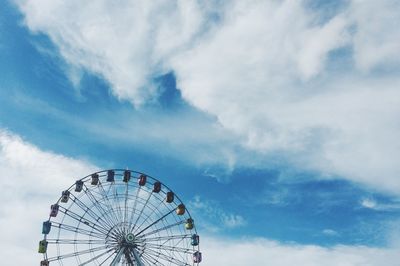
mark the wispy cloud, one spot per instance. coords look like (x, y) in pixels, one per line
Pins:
(213, 217)
(330, 232)
(371, 203)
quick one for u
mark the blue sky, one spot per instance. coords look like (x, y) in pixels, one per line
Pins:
(272, 121)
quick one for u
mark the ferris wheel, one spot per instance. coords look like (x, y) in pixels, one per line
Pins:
(119, 217)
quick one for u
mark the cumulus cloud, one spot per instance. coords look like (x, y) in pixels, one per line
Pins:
(31, 179)
(126, 42)
(266, 252)
(274, 75)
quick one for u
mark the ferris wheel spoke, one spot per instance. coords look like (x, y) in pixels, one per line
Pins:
(162, 228)
(87, 222)
(110, 216)
(125, 204)
(173, 251)
(75, 241)
(108, 202)
(97, 257)
(116, 202)
(89, 211)
(117, 258)
(78, 253)
(141, 211)
(145, 220)
(134, 254)
(152, 260)
(78, 230)
(97, 204)
(155, 222)
(166, 238)
(169, 248)
(134, 205)
(106, 259)
(166, 257)
(148, 259)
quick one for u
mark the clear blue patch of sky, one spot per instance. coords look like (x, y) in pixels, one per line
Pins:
(38, 102)
(326, 9)
(311, 211)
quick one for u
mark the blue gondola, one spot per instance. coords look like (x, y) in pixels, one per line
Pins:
(195, 240)
(46, 227)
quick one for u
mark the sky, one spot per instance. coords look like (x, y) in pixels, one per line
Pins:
(276, 122)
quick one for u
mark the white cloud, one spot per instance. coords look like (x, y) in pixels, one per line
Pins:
(371, 203)
(31, 178)
(124, 42)
(264, 252)
(376, 41)
(265, 69)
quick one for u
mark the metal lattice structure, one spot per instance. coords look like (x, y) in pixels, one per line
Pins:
(119, 217)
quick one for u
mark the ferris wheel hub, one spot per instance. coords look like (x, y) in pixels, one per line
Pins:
(130, 238)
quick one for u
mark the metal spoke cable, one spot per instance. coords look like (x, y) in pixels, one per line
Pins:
(163, 228)
(87, 209)
(134, 206)
(74, 254)
(96, 204)
(166, 257)
(167, 238)
(96, 257)
(87, 222)
(155, 222)
(78, 230)
(75, 241)
(141, 211)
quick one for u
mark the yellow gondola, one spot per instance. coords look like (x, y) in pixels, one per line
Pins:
(42, 246)
(189, 224)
